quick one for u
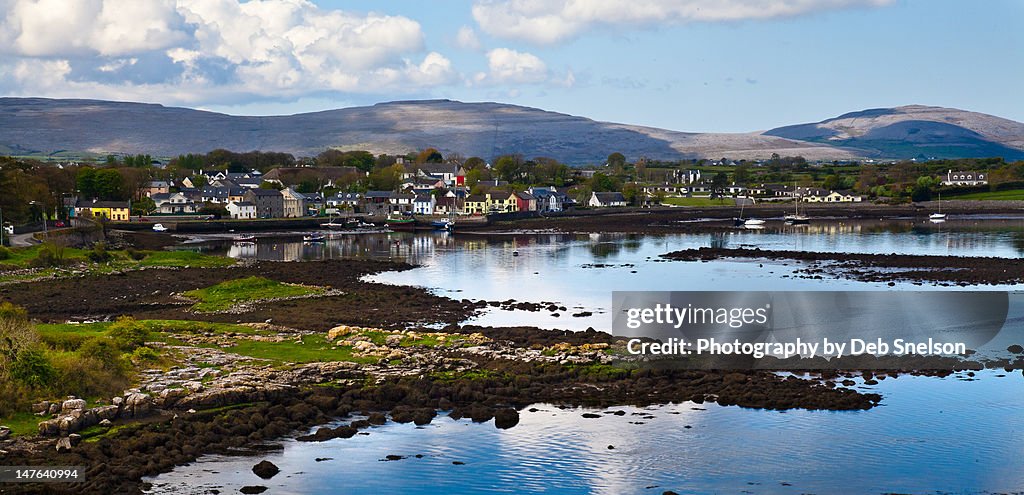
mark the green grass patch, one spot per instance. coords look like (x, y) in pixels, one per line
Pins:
(474, 374)
(22, 423)
(185, 258)
(699, 201)
(1008, 195)
(227, 294)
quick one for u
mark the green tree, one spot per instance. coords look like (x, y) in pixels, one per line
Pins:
(601, 182)
(742, 174)
(474, 162)
(508, 167)
(429, 155)
(718, 184)
(616, 161)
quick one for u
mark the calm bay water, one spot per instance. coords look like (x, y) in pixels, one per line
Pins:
(930, 435)
(580, 271)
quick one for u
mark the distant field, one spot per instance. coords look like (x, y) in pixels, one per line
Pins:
(1010, 195)
(699, 201)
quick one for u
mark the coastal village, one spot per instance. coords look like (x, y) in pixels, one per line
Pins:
(445, 188)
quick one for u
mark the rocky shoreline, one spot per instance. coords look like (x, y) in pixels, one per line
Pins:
(217, 401)
(891, 268)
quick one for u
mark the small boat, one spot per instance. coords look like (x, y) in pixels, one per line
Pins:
(401, 223)
(333, 225)
(314, 237)
(245, 238)
(749, 222)
(159, 228)
(796, 218)
(938, 215)
(442, 224)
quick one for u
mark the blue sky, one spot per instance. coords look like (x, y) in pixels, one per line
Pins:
(690, 65)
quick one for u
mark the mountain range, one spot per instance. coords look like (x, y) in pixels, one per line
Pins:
(64, 127)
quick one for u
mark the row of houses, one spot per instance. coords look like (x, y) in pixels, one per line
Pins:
(774, 191)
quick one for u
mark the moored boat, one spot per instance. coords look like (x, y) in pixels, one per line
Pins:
(401, 223)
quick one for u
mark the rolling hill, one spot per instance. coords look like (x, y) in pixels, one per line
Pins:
(40, 126)
(908, 131)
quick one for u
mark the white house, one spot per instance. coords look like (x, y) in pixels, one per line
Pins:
(965, 179)
(424, 204)
(606, 199)
(241, 209)
(172, 203)
(294, 203)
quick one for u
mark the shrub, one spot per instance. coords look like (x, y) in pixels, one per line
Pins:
(50, 254)
(103, 349)
(128, 334)
(5, 253)
(145, 355)
(16, 335)
(32, 368)
(99, 253)
(87, 377)
(135, 254)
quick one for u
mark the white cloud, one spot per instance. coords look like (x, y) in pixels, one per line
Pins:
(511, 67)
(467, 39)
(550, 21)
(200, 51)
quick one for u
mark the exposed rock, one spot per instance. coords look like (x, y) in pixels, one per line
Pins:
(5, 433)
(252, 489)
(71, 405)
(136, 404)
(64, 444)
(506, 418)
(266, 470)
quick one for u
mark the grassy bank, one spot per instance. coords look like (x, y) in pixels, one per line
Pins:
(48, 260)
(225, 295)
(699, 201)
(1008, 195)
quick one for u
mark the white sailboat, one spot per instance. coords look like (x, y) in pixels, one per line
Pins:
(938, 216)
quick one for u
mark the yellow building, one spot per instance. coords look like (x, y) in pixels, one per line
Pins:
(115, 211)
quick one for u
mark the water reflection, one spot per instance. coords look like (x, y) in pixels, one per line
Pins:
(926, 429)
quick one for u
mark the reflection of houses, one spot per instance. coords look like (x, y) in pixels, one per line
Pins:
(269, 202)
(961, 178)
(174, 204)
(606, 199)
(117, 211)
(242, 209)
